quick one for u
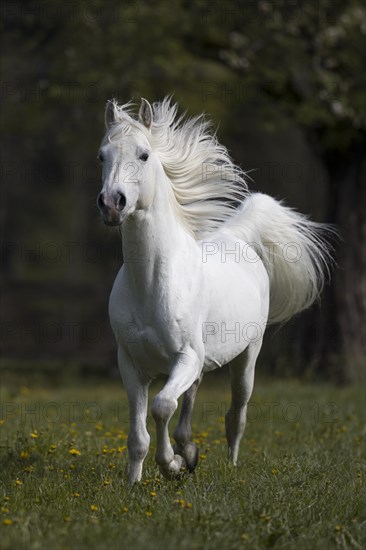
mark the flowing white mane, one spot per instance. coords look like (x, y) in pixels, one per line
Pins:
(207, 186)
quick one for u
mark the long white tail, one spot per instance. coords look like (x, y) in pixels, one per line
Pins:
(294, 250)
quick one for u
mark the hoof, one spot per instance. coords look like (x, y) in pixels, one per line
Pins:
(190, 454)
(175, 469)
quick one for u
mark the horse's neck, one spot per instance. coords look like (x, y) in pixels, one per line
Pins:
(151, 241)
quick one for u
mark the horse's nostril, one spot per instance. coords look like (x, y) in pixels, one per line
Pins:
(100, 201)
(107, 202)
(121, 202)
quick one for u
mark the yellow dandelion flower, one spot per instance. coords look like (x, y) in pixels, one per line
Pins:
(75, 495)
(121, 448)
(33, 435)
(74, 452)
(124, 510)
(72, 466)
(7, 521)
(6, 498)
(264, 517)
(203, 456)
(149, 514)
(152, 493)
(4, 510)
(106, 482)
(2, 421)
(18, 482)
(188, 505)
(274, 471)
(28, 469)
(93, 508)
(338, 528)
(24, 454)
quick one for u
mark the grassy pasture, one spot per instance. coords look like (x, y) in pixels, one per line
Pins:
(300, 482)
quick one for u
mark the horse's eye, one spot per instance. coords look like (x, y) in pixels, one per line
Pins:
(100, 157)
(144, 157)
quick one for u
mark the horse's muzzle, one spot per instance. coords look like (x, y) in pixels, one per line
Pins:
(111, 207)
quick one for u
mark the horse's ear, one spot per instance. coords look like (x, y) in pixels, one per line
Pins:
(145, 113)
(109, 115)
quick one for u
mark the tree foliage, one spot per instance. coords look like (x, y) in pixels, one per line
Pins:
(295, 64)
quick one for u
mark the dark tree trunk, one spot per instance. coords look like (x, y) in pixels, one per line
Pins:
(343, 342)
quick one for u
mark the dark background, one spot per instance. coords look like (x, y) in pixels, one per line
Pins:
(283, 81)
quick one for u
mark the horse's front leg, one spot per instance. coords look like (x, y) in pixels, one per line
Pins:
(138, 437)
(186, 369)
(183, 432)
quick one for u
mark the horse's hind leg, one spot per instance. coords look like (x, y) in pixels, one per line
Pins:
(242, 379)
(183, 432)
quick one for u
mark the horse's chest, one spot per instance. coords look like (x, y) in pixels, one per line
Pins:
(156, 324)
(152, 343)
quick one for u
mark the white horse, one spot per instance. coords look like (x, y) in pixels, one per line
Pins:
(207, 266)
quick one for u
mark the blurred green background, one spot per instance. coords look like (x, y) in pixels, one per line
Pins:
(284, 83)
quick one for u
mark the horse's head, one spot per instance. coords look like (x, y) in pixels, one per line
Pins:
(125, 153)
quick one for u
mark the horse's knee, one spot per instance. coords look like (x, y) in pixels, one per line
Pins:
(163, 407)
(138, 445)
(182, 434)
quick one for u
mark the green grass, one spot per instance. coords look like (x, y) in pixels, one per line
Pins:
(300, 481)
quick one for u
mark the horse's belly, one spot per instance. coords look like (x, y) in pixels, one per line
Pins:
(238, 312)
(227, 332)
